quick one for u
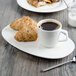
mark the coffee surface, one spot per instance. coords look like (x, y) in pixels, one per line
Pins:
(49, 26)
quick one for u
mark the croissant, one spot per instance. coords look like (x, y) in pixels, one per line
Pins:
(27, 29)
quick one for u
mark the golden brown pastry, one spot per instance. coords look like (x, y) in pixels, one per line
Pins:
(16, 24)
(48, 1)
(37, 3)
(26, 34)
(27, 29)
(54, 0)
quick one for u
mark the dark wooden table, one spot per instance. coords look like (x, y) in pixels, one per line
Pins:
(14, 62)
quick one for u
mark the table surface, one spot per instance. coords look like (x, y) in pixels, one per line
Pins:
(14, 62)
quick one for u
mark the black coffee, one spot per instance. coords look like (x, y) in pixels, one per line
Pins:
(49, 26)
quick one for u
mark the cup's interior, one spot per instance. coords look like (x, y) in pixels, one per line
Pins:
(49, 25)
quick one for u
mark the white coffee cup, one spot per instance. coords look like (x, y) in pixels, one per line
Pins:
(50, 38)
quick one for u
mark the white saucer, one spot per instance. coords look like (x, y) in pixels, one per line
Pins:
(62, 49)
(58, 6)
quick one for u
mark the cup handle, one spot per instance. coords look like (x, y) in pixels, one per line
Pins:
(66, 34)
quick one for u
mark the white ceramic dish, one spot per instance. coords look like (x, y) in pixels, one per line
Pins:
(43, 9)
(62, 49)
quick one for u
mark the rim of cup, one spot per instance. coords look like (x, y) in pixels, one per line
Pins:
(49, 20)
